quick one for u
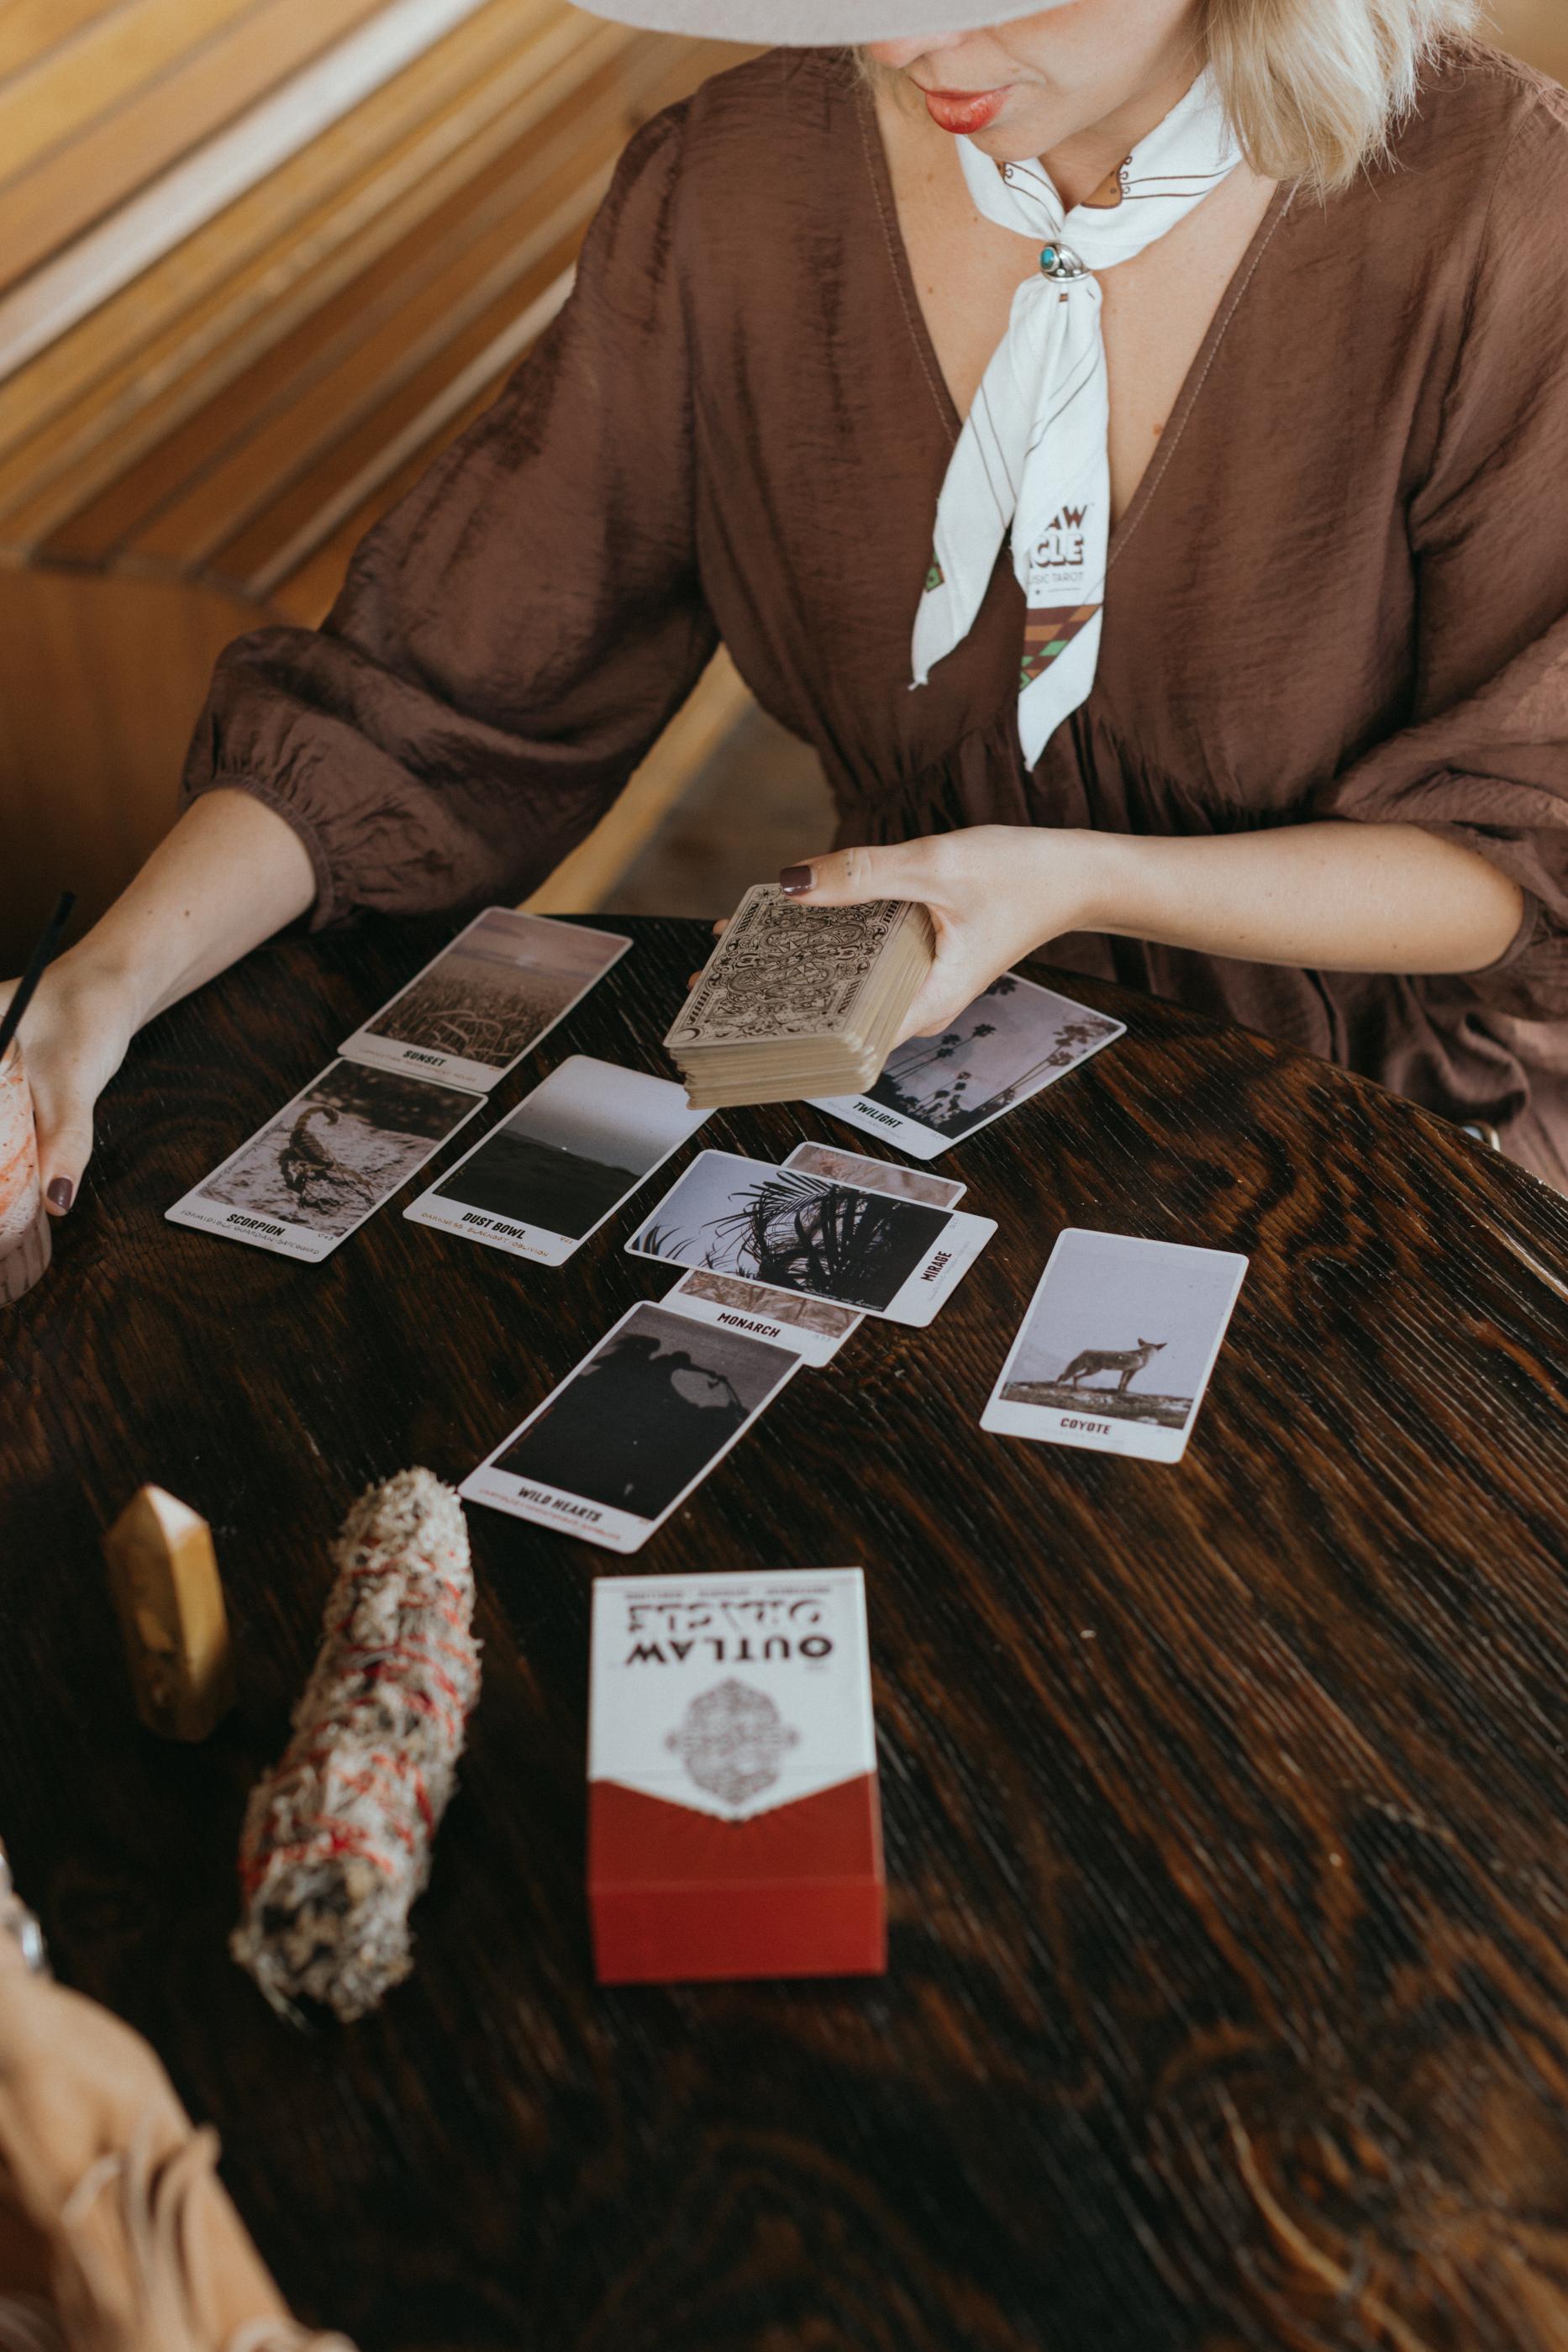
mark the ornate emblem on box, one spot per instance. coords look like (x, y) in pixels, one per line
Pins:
(732, 1741)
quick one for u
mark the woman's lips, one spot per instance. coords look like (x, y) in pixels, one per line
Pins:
(964, 112)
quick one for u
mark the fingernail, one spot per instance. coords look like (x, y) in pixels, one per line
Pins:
(794, 879)
(61, 1193)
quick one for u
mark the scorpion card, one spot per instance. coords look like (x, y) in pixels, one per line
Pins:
(1117, 1347)
(627, 1436)
(887, 1256)
(487, 1000)
(561, 1164)
(1012, 1042)
(327, 1162)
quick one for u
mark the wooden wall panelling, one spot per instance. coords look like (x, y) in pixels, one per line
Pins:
(30, 28)
(200, 452)
(410, 307)
(75, 418)
(78, 180)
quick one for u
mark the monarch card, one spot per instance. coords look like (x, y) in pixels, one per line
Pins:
(1016, 1039)
(876, 1175)
(1117, 1347)
(627, 1436)
(327, 1160)
(814, 1327)
(487, 999)
(897, 1258)
(558, 1165)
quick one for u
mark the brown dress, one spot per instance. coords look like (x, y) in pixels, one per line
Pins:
(1341, 590)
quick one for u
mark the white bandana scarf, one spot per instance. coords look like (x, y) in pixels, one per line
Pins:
(1033, 452)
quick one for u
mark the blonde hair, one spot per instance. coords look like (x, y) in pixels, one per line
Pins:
(1316, 88)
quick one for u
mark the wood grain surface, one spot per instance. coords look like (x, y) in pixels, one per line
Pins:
(1226, 1805)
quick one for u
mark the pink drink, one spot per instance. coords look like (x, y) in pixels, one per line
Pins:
(24, 1219)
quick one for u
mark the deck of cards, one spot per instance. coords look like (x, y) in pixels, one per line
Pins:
(796, 1000)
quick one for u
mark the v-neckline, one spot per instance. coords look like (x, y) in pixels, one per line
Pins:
(920, 335)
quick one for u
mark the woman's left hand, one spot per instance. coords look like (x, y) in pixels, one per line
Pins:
(996, 892)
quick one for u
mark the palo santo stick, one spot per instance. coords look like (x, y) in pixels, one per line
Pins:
(164, 1576)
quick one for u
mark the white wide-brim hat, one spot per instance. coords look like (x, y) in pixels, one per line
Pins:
(814, 24)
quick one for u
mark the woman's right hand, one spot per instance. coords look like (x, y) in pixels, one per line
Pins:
(74, 1036)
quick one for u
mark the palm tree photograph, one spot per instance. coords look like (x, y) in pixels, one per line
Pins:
(1010, 1042)
(793, 1232)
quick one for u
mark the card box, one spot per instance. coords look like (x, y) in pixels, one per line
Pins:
(733, 1823)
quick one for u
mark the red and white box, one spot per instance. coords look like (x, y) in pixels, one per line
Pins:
(733, 1823)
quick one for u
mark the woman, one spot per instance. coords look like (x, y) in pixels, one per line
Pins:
(1263, 705)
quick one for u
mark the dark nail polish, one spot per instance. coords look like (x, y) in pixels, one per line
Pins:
(794, 879)
(62, 1193)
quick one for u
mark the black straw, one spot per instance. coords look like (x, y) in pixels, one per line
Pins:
(11, 1020)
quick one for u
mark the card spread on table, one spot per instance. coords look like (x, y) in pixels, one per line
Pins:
(347, 1143)
(1117, 1347)
(487, 999)
(796, 1000)
(562, 1164)
(625, 1437)
(814, 1327)
(901, 1259)
(875, 1175)
(1016, 1039)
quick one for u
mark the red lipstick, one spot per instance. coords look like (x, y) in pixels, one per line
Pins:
(964, 111)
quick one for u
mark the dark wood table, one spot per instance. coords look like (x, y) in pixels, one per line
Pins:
(1227, 1805)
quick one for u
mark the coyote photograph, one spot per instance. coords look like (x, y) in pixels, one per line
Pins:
(1122, 1330)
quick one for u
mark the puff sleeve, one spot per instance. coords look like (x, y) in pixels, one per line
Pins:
(515, 633)
(1485, 758)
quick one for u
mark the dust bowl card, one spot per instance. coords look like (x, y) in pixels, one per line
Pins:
(1011, 1043)
(625, 1438)
(327, 1162)
(799, 1233)
(487, 1000)
(549, 1174)
(1117, 1347)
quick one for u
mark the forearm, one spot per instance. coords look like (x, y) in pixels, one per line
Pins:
(1332, 897)
(230, 873)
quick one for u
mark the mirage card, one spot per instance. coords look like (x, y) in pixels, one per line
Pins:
(1012, 1042)
(814, 1327)
(900, 1259)
(627, 1436)
(876, 1175)
(327, 1162)
(553, 1172)
(487, 1000)
(1117, 1347)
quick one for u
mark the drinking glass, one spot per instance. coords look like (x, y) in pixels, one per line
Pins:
(24, 1219)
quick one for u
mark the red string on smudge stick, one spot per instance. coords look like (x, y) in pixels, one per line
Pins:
(337, 1841)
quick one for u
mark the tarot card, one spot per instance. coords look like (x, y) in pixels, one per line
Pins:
(627, 1436)
(901, 1259)
(1016, 1039)
(1117, 1347)
(327, 1160)
(553, 1172)
(875, 1175)
(486, 1000)
(814, 1327)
